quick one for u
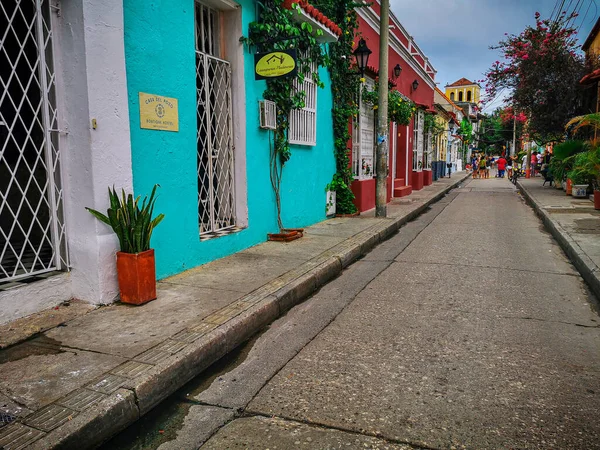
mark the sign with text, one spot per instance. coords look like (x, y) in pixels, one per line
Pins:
(158, 112)
(275, 64)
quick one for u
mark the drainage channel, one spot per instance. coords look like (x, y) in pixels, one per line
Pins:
(162, 423)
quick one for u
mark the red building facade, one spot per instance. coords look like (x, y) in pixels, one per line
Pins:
(409, 161)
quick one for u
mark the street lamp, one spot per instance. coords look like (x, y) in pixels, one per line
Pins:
(362, 54)
(415, 85)
(397, 71)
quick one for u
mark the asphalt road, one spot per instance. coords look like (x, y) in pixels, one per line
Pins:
(468, 329)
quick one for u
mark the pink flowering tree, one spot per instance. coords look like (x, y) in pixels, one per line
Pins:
(541, 68)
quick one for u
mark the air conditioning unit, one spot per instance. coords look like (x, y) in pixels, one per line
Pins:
(268, 114)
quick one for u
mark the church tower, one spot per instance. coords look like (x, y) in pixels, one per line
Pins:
(463, 91)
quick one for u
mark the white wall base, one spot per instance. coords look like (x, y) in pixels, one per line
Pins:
(34, 297)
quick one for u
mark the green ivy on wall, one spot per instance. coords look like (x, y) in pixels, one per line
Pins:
(345, 87)
(400, 108)
(277, 29)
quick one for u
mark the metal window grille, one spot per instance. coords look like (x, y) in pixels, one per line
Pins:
(363, 138)
(216, 196)
(418, 141)
(268, 114)
(303, 122)
(32, 229)
(415, 142)
(428, 155)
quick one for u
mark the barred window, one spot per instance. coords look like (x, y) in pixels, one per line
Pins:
(303, 122)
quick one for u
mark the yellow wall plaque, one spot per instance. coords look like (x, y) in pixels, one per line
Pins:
(158, 112)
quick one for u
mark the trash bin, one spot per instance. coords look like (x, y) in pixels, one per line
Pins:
(449, 166)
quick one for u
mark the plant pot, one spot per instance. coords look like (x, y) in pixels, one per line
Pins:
(596, 199)
(137, 277)
(356, 214)
(285, 236)
(579, 190)
(569, 188)
(559, 185)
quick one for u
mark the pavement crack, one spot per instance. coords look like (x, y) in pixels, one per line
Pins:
(477, 266)
(342, 429)
(537, 319)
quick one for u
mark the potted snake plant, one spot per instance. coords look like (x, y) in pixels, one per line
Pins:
(133, 224)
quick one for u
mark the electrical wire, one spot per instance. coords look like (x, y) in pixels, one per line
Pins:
(587, 12)
(575, 10)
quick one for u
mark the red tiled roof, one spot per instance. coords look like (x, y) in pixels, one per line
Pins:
(461, 82)
(593, 76)
(315, 14)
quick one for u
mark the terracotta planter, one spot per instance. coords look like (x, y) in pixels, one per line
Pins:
(137, 277)
(356, 214)
(596, 199)
(569, 188)
(285, 236)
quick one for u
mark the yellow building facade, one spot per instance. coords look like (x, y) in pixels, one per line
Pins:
(463, 90)
(440, 141)
(591, 46)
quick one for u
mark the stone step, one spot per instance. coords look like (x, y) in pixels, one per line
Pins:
(402, 191)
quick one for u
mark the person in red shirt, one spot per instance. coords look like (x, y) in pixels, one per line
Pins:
(501, 166)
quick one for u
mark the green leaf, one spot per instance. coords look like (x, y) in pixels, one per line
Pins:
(99, 216)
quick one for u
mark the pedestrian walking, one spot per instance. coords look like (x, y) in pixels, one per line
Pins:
(474, 165)
(482, 166)
(501, 166)
(509, 165)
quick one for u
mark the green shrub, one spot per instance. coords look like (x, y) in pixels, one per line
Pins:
(132, 225)
(569, 148)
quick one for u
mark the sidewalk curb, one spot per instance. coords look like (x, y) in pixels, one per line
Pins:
(586, 267)
(94, 413)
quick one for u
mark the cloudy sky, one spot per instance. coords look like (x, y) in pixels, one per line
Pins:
(456, 34)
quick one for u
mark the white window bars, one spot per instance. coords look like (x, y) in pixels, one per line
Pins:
(428, 154)
(418, 121)
(303, 122)
(32, 229)
(363, 138)
(415, 142)
(216, 196)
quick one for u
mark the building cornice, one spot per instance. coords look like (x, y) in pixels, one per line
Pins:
(369, 15)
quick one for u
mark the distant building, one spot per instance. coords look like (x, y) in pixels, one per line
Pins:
(463, 91)
(466, 94)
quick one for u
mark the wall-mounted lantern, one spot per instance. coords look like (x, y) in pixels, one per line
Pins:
(397, 71)
(362, 54)
(415, 85)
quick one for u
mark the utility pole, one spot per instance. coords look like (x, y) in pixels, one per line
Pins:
(382, 113)
(514, 148)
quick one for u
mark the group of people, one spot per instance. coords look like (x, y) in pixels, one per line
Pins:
(481, 164)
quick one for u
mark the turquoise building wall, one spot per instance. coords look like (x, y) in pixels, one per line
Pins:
(160, 59)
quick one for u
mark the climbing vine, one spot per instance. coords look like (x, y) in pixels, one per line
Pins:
(277, 29)
(400, 108)
(430, 125)
(345, 86)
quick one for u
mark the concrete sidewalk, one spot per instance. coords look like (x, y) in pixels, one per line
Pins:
(573, 222)
(76, 385)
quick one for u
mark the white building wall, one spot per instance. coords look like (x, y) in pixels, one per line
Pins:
(92, 84)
